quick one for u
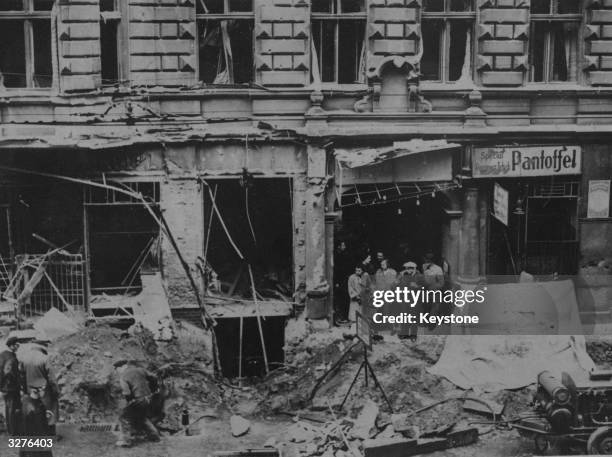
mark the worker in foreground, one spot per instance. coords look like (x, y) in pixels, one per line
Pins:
(10, 385)
(135, 385)
(35, 417)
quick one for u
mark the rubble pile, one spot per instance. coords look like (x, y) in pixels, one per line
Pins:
(83, 366)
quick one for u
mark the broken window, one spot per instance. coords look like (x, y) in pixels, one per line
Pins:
(338, 31)
(123, 237)
(110, 41)
(25, 43)
(446, 40)
(554, 40)
(225, 33)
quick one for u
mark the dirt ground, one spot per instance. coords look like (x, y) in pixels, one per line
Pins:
(278, 404)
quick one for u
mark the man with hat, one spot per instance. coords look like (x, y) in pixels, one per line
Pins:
(135, 385)
(411, 279)
(10, 385)
(38, 374)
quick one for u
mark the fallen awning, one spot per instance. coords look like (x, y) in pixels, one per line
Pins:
(354, 158)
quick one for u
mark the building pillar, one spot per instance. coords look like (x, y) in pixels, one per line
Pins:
(451, 232)
(469, 245)
(317, 285)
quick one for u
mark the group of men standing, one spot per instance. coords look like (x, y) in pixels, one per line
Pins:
(376, 273)
(29, 391)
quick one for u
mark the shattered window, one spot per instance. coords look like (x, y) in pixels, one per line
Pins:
(225, 37)
(111, 33)
(446, 40)
(338, 34)
(554, 40)
(25, 43)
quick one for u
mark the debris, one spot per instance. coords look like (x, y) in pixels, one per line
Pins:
(388, 448)
(55, 324)
(239, 425)
(485, 407)
(365, 421)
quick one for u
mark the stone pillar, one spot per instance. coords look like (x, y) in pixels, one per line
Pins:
(469, 246)
(451, 232)
(317, 287)
(181, 204)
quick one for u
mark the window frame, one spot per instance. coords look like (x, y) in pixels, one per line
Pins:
(28, 14)
(336, 18)
(119, 16)
(227, 15)
(447, 16)
(550, 18)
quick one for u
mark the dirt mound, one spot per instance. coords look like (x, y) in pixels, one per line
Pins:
(600, 350)
(89, 386)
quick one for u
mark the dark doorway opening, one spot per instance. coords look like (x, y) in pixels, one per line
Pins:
(228, 340)
(258, 217)
(404, 230)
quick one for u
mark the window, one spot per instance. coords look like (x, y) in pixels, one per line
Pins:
(554, 40)
(338, 31)
(446, 40)
(25, 43)
(225, 32)
(111, 35)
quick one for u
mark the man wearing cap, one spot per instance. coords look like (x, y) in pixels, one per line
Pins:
(38, 374)
(10, 385)
(135, 385)
(411, 279)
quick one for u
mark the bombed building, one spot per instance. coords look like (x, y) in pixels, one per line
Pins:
(213, 153)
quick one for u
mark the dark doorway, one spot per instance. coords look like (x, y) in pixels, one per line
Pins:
(404, 230)
(228, 340)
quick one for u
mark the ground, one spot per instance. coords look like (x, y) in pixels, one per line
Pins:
(277, 405)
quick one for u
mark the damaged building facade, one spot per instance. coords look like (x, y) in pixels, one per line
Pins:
(266, 131)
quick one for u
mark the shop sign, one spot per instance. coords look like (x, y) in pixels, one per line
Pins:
(599, 199)
(500, 204)
(510, 161)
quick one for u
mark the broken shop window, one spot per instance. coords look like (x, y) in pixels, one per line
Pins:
(25, 44)
(225, 33)
(338, 33)
(446, 40)
(123, 239)
(258, 217)
(554, 40)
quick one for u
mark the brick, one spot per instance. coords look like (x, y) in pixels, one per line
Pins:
(284, 78)
(504, 31)
(282, 62)
(283, 13)
(502, 78)
(601, 47)
(263, 62)
(601, 16)
(393, 46)
(395, 30)
(505, 3)
(598, 105)
(606, 63)
(80, 65)
(78, 31)
(79, 82)
(600, 78)
(162, 79)
(145, 63)
(144, 29)
(606, 31)
(79, 13)
(168, 30)
(80, 48)
(282, 29)
(169, 62)
(161, 47)
(393, 14)
(502, 47)
(161, 14)
(503, 62)
(508, 16)
(288, 46)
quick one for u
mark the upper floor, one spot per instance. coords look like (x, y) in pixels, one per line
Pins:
(359, 55)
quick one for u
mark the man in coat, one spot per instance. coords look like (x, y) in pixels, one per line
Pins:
(10, 385)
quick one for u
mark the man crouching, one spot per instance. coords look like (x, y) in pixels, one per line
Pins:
(135, 385)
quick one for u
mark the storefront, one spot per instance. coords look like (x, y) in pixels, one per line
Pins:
(533, 220)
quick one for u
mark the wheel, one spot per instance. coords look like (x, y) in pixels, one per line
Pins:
(600, 441)
(542, 444)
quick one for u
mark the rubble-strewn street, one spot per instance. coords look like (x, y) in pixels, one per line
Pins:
(277, 411)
